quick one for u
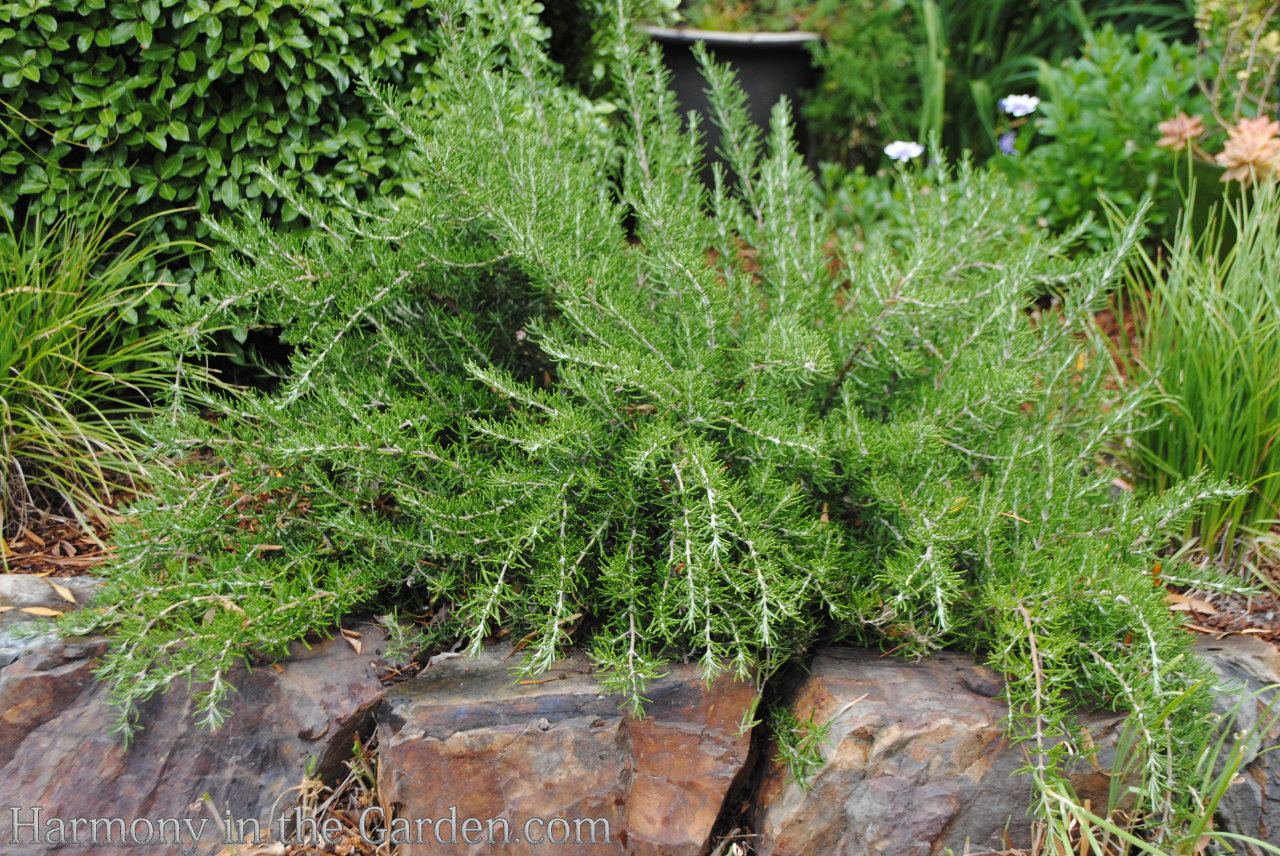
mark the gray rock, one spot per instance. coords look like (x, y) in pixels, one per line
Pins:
(22, 632)
(57, 753)
(1249, 672)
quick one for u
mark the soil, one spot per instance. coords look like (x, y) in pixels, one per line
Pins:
(1235, 614)
(1119, 323)
(1219, 614)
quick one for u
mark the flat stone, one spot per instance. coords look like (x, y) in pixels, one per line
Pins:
(916, 762)
(464, 741)
(23, 631)
(57, 752)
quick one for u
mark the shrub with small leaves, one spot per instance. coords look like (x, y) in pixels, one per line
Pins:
(581, 40)
(172, 102)
(1101, 129)
(868, 93)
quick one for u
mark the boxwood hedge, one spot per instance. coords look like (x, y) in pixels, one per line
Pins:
(170, 103)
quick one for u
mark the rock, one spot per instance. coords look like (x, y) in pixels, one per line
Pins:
(26, 601)
(916, 762)
(57, 753)
(466, 746)
(1247, 666)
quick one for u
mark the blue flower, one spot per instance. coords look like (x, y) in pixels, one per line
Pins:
(903, 150)
(1019, 105)
(1007, 140)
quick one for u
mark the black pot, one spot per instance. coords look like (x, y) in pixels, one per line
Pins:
(768, 66)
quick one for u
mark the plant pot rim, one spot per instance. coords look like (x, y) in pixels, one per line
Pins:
(721, 38)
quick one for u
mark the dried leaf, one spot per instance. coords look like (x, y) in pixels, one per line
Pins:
(271, 848)
(1089, 749)
(63, 592)
(33, 536)
(1182, 603)
(43, 611)
(523, 642)
(353, 639)
(848, 705)
(1216, 634)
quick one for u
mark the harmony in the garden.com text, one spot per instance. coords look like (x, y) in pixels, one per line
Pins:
(33, 825)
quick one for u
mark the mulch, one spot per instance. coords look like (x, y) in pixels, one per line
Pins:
(1217, 614)
(55, 546)
(1119, 323)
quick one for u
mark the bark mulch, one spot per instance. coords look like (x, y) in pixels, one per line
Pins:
(55, 546)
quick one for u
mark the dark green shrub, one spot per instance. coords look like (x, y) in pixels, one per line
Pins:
(172, 103)
(868, 94)
(1099, 112)
(581, 41)
(973, 54)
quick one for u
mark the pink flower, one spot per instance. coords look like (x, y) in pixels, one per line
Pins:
(1179, 131)
(1251, 149)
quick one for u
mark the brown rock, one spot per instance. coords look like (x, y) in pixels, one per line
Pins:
(57, 753)
(464, 741)
(916, 762)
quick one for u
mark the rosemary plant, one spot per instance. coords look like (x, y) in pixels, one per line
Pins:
(574, 393)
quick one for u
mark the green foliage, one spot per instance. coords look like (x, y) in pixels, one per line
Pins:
(973, 54)
(1243, 39)
(70, 373)
(747, 15)
(868, 93)
(799, 743)
(1102, 129)
(857, 200)
(1211, 338)
(1220, 754)
(881, 205)
(582, 42)
(172, 102)
(659, 421)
